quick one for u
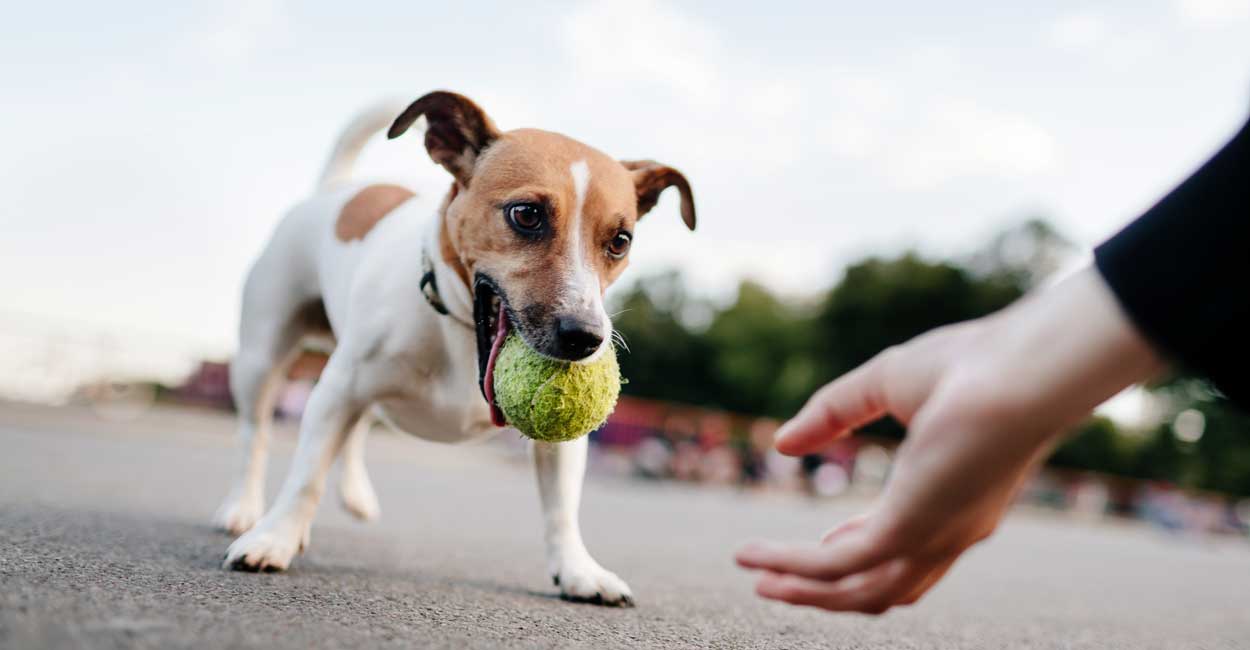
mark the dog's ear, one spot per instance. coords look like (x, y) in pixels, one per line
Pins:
(651, 178)
(458, 130)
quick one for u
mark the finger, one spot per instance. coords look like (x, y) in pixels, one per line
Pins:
(849, 594)
(852, 400)
(872, 592)
(850, 553)
(854, 523)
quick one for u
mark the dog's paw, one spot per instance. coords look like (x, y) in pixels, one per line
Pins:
(265, 548)
(237, 515)
(357, 495)
(584, 581)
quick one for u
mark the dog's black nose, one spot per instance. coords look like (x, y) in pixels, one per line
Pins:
(576, 338)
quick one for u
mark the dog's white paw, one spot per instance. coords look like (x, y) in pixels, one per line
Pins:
(237, 515)
(266, 548)
(583, 580)
(359, 499)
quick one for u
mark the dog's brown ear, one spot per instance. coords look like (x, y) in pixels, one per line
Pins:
(651, 178)
(459, 130)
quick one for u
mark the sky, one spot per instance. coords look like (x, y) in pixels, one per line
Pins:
(151, 147)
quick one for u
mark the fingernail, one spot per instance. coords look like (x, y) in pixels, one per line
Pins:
(752, 552)
(745, 552)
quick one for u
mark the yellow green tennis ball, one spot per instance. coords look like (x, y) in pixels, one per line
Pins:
(551, 400)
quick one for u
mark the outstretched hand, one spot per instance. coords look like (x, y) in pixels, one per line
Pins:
(982, 402)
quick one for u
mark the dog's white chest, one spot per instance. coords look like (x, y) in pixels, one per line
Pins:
(439, 415)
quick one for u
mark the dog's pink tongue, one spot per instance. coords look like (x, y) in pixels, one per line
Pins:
(496, 414)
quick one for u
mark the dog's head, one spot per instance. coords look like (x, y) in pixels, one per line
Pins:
(537, 224)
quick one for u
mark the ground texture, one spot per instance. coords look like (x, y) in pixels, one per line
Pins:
(105, 543)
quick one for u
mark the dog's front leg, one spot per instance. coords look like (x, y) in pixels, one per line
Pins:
(561, 467)
(283, 531)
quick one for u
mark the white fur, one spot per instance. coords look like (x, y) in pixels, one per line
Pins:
(580, 172)
(561, 467)
(583, 292)
(338, 169)
(395, 358)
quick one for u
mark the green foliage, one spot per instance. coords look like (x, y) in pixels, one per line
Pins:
(1218, 461)
(1223, 453)
(886, 302)
(763, 354)
(664, 358)
(1160, 458)
(1096, 446)
(760, 353)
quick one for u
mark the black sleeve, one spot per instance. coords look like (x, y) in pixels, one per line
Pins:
(1182, 270)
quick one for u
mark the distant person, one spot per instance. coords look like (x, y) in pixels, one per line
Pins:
(984, 401)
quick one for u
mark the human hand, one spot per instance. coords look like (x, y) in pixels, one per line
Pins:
(982, 401)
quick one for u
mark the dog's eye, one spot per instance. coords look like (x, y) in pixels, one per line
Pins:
(526, 217)
(619, 244)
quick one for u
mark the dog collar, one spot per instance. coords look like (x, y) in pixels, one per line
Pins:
(429, 289)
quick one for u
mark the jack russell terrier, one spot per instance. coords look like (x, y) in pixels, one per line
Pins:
(535, 227)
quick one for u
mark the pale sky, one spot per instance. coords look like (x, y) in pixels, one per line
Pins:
(150, 147)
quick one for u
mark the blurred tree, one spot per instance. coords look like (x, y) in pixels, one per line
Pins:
(880, 303)
(1160, 458)
(1096, 445)
(763, 354)
(662, 358)
(1222, 454)
(1203, 443)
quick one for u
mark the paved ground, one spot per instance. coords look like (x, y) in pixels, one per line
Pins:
(104, 543)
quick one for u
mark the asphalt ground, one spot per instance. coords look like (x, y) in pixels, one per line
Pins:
(105, 543)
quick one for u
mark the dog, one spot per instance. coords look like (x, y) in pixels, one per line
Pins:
(535, 227)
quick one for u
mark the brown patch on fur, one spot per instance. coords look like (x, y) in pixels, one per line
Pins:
(367, 208)
(651, 178)
(458, 130)
(308, 365)
(311, 318)
(445, 246)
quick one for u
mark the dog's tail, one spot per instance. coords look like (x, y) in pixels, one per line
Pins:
(353, 139)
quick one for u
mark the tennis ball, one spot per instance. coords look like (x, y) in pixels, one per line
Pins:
(551, 400)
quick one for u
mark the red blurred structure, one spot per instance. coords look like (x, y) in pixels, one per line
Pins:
(667, 441)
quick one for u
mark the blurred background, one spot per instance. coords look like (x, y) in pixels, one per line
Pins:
(862, 173)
